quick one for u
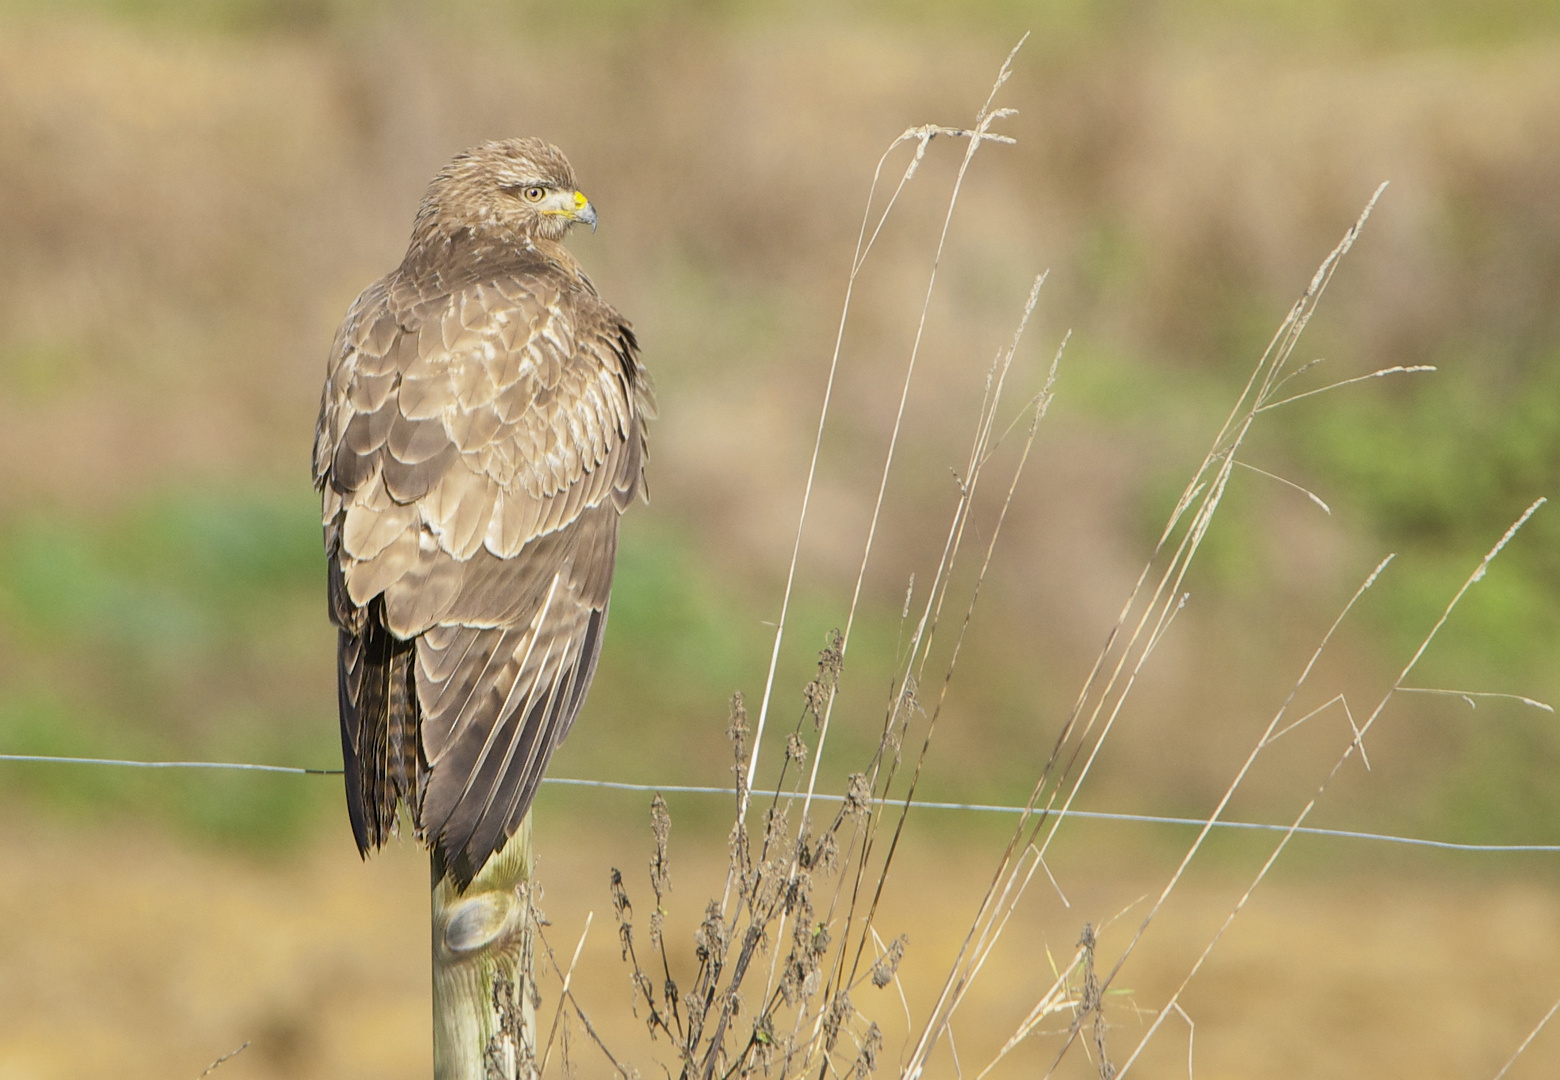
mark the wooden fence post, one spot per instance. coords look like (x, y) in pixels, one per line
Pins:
(484, 1019)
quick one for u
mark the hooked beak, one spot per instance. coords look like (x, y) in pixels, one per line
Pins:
(584, 212)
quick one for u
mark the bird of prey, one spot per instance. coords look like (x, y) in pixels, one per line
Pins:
(481, 431)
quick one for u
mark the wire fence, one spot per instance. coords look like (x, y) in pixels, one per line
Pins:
(918, 804)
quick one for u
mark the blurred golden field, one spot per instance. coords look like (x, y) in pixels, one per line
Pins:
(190, 196)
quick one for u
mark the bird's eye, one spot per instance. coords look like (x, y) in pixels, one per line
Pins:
(534, 193)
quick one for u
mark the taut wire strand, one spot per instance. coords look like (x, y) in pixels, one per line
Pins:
(701, 789)
(52, 759)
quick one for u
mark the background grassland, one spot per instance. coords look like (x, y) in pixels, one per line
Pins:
(190, 195)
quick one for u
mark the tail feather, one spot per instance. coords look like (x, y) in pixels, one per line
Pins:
(379, 719)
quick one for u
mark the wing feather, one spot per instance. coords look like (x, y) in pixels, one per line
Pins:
(493, 719)
(412, 442)
(411, 481)
(422, 397)
(369, 529)
(505, 696)
(440, 652)
(367, 393)
(366, 431)
(424, 592)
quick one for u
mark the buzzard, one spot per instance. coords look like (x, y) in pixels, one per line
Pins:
(481, 430)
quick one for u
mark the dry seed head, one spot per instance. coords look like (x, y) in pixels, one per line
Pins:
(795, 749)
(737, 732)
(816, 694)
(774, 881)
(693, 1009)
(802, 977)
(774, 826)
(827, 855)
(748, 882)
(889, 745)
(888, 964)
(764, 1042)
(624, 911)
(866, 1060)
(820, 939)
(798, 891)
(858, 796)
(737, 849)
(801, 929)
(790, 985)
(710, 941)
(620, 902)
(642, 988)
(661, 827)
(840, 1010)
(1092, 1001)
(815, 699)
(801, 965)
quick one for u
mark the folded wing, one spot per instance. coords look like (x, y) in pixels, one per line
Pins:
(476, 447)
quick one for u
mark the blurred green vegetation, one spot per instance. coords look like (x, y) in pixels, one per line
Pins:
(1441, 468)
(170, 629)
(1433, 468)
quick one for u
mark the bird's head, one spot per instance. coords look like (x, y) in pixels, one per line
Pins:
(509, 191)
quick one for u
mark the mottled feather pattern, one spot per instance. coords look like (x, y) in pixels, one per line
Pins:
(481, 431)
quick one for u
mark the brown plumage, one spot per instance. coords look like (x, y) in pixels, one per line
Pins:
(480, 433)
